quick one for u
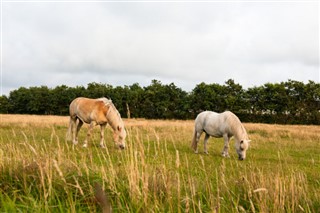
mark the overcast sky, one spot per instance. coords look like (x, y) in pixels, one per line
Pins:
(121, 43)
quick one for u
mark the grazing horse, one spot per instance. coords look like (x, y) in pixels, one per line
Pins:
(99, 111)
(219, 125)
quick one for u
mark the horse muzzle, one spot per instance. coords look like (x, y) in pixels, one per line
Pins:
(241, 158)
(121, 146)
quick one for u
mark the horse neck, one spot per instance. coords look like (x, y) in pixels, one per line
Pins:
(114, 118)
(240, 132)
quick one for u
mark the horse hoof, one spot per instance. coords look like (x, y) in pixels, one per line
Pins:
(225, 155)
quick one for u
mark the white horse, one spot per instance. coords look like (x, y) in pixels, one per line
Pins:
(99, 111)
(219, 125)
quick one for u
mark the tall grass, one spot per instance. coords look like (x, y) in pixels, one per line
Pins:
(157, 172)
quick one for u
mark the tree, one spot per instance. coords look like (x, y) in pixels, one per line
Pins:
(234, 96)
(177, 105)
(312, 102)
(4, 104)
(61, 97)
(285, 102)
(134, 100)
(163, 101)
(39, 100)
(98, 90)
(208, 97)
(19, 101)
(154, 100)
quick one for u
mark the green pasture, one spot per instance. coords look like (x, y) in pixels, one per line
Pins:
(158, 172)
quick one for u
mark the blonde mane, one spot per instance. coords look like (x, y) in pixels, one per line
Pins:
(113, 115)
(106, 101)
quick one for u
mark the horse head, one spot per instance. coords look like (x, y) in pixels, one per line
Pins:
(242, 147)
(119, 137)
(115, 121)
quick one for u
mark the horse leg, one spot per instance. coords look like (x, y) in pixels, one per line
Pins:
(226, 145)
(198, 135)
(88, 134)
(205, 143)
(102, 128)
(70, 129)
(76, 131)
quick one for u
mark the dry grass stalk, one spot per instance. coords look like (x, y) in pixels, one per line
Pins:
(152, 172)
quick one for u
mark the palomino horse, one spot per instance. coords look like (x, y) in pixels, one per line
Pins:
(99, 111)
(219, 125)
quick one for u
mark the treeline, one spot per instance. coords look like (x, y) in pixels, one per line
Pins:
(290, 102)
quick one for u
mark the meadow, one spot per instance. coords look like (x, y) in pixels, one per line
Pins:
(157, 172)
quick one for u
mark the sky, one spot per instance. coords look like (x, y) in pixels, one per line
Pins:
(73, 43)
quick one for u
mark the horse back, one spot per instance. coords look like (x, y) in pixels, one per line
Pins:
(89, 110)
(214, 124)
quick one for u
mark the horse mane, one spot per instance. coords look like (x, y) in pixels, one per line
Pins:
(106, 101)
(236, 126)
(113, 114)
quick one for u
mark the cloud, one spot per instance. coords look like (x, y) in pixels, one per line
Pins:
(123, 43)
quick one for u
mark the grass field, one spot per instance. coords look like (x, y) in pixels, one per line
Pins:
(157, 172)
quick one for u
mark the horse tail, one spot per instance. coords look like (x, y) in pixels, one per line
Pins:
(194, 141)
(69, 132)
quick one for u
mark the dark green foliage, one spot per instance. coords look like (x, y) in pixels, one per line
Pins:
(291, 102)
(4, 104)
